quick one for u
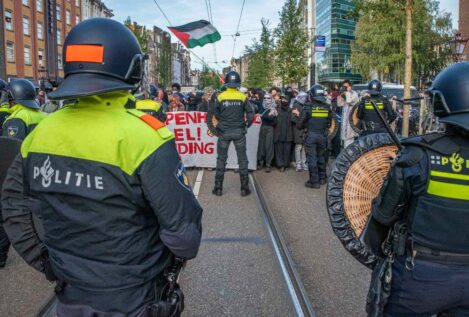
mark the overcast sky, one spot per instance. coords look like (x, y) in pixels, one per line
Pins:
(225, 14)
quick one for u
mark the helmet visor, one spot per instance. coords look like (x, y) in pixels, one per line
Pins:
(438, 102)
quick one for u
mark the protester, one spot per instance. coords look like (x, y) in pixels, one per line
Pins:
(265, 149)
(346, 100)
(175, 104)
(299, 134)
(283, 135)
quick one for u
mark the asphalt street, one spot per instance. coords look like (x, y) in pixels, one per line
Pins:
(236, 272)
(22, 289)
(336, 283)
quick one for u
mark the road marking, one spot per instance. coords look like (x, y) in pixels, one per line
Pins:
(198, 182)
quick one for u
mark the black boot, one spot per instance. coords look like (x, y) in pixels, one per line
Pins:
(245, 191)
(309, 184)
(218, 189)
(323, 181)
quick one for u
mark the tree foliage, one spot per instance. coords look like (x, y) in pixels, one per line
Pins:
(292, 42)
(209, 78)
(380, 39)
(260, 54)
(140, 33)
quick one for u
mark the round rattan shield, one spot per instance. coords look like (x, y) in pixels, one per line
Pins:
(353, 119)
(212, 121)
(356, 179)
(333, 128)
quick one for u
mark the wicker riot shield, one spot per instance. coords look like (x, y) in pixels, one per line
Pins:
(354, 121)
(333, 128)
(356, 179)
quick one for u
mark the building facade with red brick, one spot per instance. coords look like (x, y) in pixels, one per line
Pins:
(32, 35)
(464, 23)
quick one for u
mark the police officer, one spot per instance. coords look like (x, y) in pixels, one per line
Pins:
(426, 195)
(150, 105)
(316, 118)
(231, 107)
(366, 112)
(5, 109)
(25, 112)
(116, 205)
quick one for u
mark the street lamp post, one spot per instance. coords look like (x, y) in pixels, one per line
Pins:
(457, 45)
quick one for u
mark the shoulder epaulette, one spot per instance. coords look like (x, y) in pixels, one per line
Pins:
(156, 124)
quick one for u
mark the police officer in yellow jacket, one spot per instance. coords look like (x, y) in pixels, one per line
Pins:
(425, 200)
(25, 113)
(116, 205)
(234, 114)
(370, 120)
(150, 106)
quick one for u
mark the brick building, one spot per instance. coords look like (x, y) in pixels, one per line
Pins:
(32, 35)
(464, 22)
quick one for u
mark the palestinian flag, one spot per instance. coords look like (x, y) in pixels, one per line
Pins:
(196, 33)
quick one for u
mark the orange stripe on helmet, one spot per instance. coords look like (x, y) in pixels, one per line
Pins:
(84, 54)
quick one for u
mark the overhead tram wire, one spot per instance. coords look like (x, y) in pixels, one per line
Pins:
(237, 29)
(190, 51)
(208, 5)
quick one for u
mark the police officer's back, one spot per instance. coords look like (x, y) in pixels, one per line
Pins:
(370, 120)
(234, 114)
(426, 200)
(316, 118)
(25, 113)
(116, 204)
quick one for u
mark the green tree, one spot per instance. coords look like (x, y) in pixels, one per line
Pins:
(140, 33)
(291, 62)
(209, 78)
(380, 39)
(260, 55)
(163, 63)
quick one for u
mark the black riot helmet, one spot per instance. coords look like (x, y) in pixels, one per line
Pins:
(317, 93)
(100, 55)
(375, 87)
(449, 95)
(23, 92)
(152, 91)
(232, 79)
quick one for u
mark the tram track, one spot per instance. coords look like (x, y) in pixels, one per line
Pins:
(299, 296)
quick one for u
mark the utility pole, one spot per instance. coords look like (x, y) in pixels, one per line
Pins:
(408, 67)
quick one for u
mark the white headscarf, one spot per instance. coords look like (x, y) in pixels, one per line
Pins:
(269, 104)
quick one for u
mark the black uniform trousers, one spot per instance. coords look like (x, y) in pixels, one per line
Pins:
(222, 152)
(430, 288)
(265, 150)
(315, 147)
(4, 243)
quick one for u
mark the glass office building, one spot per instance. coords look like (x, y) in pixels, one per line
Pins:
(333, 21)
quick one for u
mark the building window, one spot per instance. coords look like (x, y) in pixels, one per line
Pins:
(59, 37)
(59, 61)
(26, 3)
(40, 56)
(8, 20)
(67, 17)
(77, 19)
(39, 31)
(58, 15)
(27, 55)
(39, 5)
(26, 26)
(77, 3)
(10, 52)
